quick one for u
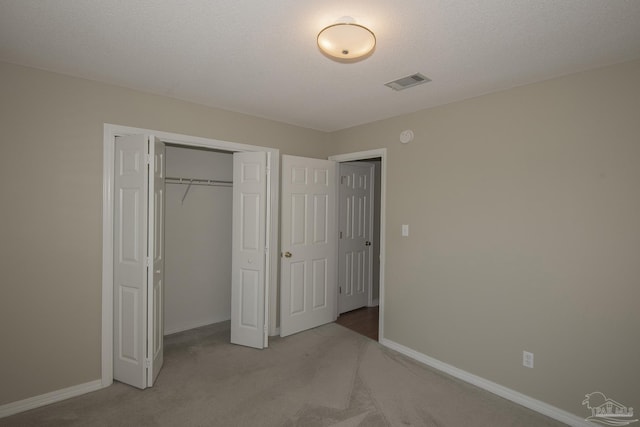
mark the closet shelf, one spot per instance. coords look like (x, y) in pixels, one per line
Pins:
(196, 181)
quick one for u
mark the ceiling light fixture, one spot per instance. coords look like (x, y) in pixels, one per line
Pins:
(346, 40)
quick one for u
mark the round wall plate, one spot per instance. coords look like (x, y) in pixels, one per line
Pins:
(406, 136)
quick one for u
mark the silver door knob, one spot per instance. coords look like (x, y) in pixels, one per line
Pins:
(287, 254)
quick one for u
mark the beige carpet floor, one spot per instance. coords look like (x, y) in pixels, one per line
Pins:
(328, 376)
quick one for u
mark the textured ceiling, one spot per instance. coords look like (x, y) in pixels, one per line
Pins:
(261, 58)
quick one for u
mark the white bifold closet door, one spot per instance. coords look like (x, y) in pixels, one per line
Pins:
(138, 259)
(138, 289)
(248, 276)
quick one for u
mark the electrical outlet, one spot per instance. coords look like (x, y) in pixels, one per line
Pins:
(527, 359)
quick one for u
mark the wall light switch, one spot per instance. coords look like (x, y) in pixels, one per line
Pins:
(527, 359)
(405, 230)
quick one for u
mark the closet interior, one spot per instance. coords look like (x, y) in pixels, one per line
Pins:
(198, 224)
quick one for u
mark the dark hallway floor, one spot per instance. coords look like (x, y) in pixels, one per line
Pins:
(362, 320)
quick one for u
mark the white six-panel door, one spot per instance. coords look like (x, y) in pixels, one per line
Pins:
(137, 292)
(308, 263)
(249, 251)
(355, 219)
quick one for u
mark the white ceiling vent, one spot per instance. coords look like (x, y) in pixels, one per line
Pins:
(407, 82)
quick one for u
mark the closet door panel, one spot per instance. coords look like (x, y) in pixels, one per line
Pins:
(130, 269)
(249, 255)
(155, 245)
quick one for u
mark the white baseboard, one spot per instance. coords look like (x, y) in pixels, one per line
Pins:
(276, 332)
(512, 395)
(374, 303)
(48, 398)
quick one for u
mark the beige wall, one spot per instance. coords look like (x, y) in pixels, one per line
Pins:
(524, 214)
(51, 214)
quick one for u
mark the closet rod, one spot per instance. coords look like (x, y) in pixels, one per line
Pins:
(196, 181)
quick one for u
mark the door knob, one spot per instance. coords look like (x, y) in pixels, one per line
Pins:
(287, 254)
(367, 243)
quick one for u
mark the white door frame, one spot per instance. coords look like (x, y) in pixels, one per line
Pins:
(366, 155)
(110, 133)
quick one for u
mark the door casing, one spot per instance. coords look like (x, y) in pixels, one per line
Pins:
(110, 133)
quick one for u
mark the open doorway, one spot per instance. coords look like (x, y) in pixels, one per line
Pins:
(198, 223)
(361, 240)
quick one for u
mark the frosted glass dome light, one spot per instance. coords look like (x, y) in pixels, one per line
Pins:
(346, 40)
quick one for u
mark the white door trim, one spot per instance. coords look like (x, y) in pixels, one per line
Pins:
(364, 155)
(111, 131)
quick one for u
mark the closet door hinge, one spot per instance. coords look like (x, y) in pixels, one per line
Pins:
(147, 158)
(147, 363)
(148, 261)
